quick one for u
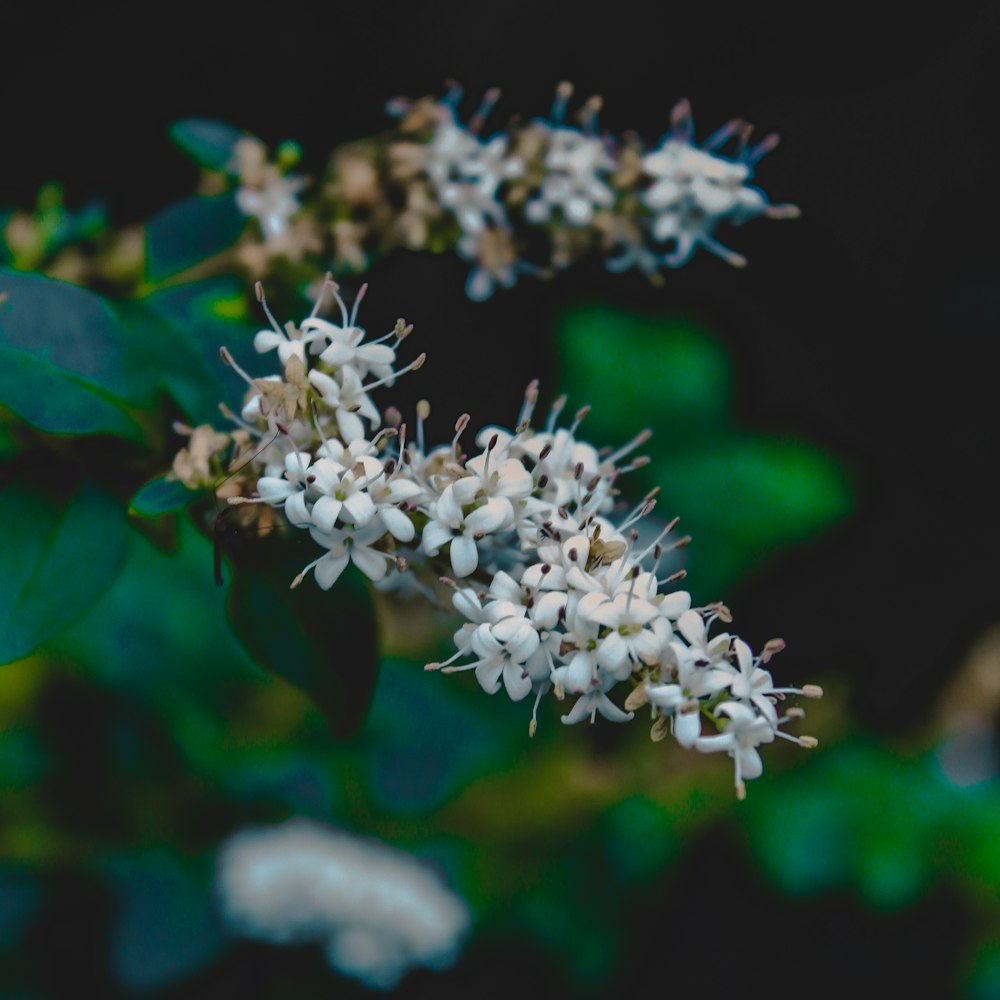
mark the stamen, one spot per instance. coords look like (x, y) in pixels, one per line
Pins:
(557, 408)
(641, 438)
(259, 290)
(487, 104)
(357, 303)
(528, 406)
(228, 359)
(328, 282)
(564, 91)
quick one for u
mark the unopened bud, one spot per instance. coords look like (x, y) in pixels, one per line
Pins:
(638, 697)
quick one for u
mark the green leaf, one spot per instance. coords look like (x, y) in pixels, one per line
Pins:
(200, 318)
(189, 231)
(741, 496)
(161, 496)
(826, 823)
(55, 563)
(66, 365)
(161, 627)
(323, 642)
(58, 402)
(607, 357)
(209, 143)
(427, 736)
(72, 329)
(173, 359)
(165, 927)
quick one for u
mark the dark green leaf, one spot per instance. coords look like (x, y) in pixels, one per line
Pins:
(209, 143)
(323, 642)
(200, 318)
(161, 627)
(173, 359)
(166, 926)
(67, 366)
(72, 329)
(59, 402)
(427, 736)
(161, 496)
(55, 563)
(189, 231)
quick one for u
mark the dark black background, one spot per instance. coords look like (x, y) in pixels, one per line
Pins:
(868, 326)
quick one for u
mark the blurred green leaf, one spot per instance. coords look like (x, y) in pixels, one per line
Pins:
(56, 562)
(860, 814)
(59, 402)
(741, 496)
(196, 320)
(209, 143)
(323, 642)
(608, 356)
(166, 926)
(983, 980)
(21, 897)
(160, 628)
(161, 496)
(189, 231)
(68, 367)
(427, 737)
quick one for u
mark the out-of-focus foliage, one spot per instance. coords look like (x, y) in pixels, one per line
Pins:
(741, 495)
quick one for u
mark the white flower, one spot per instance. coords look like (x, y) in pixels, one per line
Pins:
(695, 189)
(502, 650)
(348, 399)
(741, 735)
(596, 700)
(343, 492)
(575, 165)
(289, 491)
(467, 172)
(348, 544)
(379, 912)
(273, 204)
(685, 721)
(448, 523)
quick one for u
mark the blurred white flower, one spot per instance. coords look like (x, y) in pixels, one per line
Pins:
(378, 911)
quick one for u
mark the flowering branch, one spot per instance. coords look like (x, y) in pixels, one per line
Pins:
(533, 199)
(560, 591)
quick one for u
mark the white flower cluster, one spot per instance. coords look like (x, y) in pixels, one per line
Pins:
(379, 912)
(572, 178)
(533, 198)
(561, 597)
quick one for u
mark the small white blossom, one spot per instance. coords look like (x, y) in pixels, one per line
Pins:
(695, 189)
(377, 911)
(576, 165)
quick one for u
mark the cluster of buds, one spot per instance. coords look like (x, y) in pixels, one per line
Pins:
(559, 591)
(532, 199)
